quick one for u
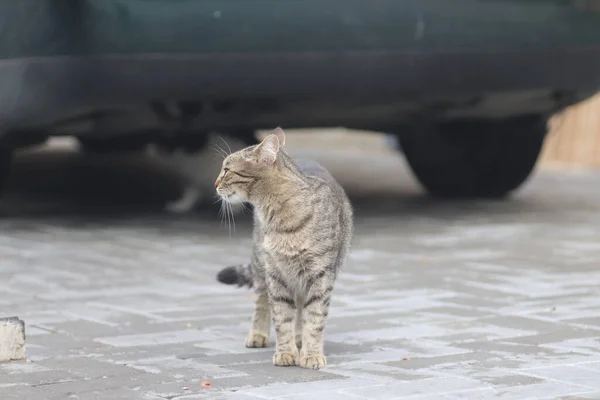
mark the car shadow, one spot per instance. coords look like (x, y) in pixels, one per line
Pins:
(69, 187)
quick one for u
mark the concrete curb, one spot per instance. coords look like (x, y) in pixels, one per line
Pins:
(12, 339)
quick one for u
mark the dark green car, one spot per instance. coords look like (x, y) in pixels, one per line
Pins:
(467, 85)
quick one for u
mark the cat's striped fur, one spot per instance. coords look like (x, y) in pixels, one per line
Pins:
(302, 232)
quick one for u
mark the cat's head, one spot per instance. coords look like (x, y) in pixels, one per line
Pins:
(243, 170)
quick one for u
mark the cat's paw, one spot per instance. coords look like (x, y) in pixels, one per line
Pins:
(313, 361)
(285, 358)
(256, 340)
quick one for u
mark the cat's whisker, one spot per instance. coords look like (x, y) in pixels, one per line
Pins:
(232, 216)
(199, 164)
(228, 218)
(222, 213)
(223, 140)
(219, 151)
(228, 210)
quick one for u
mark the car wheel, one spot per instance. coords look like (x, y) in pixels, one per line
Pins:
(474, 158)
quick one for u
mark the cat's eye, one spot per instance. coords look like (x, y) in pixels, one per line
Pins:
(225, 170)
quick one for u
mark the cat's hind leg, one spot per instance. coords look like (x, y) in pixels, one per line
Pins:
(186, 202)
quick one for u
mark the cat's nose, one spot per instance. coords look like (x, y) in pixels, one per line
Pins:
(217, 182)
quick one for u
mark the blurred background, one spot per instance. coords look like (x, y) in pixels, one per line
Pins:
(471, 97)
(573, 138)
(57, 176)
(466, 132)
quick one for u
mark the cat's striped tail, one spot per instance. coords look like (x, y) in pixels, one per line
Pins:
(240, 275)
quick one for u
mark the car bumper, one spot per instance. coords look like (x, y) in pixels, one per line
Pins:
(42, 89)
(57, 61)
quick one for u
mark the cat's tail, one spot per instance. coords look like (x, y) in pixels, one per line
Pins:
(240, 275)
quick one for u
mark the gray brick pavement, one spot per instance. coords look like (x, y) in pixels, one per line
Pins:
(437, 301)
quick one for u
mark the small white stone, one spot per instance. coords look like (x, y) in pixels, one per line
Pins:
(12, 339)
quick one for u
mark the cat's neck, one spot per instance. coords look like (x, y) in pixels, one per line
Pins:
(283, 208)
(284, 192)
(278, 192)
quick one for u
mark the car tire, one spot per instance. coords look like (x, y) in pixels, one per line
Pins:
(474, 158)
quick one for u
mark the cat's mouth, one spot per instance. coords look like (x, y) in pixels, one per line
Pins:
(231, 198)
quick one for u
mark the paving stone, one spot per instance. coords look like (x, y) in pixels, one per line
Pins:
(457, 300)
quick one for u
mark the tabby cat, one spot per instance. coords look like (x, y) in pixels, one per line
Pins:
(303, 227)
(196, 158)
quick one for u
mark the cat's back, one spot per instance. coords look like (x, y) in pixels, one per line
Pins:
(312, 168)
(338, 212)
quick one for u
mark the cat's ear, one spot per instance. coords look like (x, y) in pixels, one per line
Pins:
(266, 151)
(280, 135)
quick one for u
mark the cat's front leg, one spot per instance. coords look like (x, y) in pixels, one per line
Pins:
(283, 311)
(314, 317)
(261, 320)
(298, 321)
(190, 197)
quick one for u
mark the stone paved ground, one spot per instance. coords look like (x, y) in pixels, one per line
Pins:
(446, 301)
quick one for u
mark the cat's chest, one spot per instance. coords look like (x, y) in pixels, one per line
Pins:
(286, 248)
(287, 259)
